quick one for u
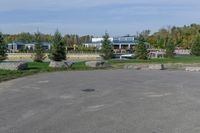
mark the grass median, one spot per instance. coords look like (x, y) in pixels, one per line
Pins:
(34, 67)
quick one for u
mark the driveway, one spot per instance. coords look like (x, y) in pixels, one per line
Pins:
(110, 101)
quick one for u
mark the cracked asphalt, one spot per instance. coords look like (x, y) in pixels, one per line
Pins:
(104, 101)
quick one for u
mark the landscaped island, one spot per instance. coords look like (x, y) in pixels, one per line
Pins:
(52, 56)
(34, 67)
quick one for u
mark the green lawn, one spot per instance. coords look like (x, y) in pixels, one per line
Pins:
(43, 67)
(34, 67)
(164, 60)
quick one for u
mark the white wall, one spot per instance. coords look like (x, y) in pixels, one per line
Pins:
(100, 39)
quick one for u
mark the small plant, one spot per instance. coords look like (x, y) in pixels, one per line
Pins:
(3, 48)
(106, 50)
(39, 55)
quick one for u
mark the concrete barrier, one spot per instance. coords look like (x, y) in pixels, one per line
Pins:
(192, 69)
(156, 67)
(96, 64)
(13, 65)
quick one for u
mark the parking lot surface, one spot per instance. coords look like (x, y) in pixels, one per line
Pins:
(104, 101)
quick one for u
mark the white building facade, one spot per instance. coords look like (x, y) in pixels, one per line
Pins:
(124, 42)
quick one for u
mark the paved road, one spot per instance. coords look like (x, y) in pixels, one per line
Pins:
(124, 101)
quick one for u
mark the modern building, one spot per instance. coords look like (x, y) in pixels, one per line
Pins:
(17, 46)
(96, 42)
(125, 42)
(120, 44)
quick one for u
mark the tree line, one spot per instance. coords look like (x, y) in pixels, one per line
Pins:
(169, 38)
(179, 36)
(26, 37)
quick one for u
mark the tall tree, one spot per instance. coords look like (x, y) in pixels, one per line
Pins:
(141, 50)
(39, 55)
(106, 50)
(3, 48)
(58, 49)
(170, 48)
(196, 46)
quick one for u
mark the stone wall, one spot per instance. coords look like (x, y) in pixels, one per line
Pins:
(157, 66)
(13, 65)
(96, 64)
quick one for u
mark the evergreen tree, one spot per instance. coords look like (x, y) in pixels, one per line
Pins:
(141, 50)
(39, 55)
(170, 48)
(106, 50)
(196, 46)
(3, 48)
(58, 49)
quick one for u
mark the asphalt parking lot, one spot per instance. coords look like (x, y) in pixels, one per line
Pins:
(105, 101)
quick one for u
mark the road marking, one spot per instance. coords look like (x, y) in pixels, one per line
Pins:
(28, 114)
(95, 107)
(66, 97)
(159, 95)
(15, 90)
(42, 82)
(31, 87)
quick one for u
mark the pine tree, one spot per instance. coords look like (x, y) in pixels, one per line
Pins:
(141, 50)
(170, 48)
(196, 46)
(58, 49)
(3, 48)
(39, 55)
(106, 50)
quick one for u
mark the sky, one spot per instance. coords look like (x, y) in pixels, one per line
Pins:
(94, 17)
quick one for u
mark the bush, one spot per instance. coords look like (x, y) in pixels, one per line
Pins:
(39, 55)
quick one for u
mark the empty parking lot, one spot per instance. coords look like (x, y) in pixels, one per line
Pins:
(114, 101)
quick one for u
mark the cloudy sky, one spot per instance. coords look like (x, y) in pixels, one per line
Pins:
(118, 17)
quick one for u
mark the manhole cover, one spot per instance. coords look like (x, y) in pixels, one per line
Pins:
(88, 90)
